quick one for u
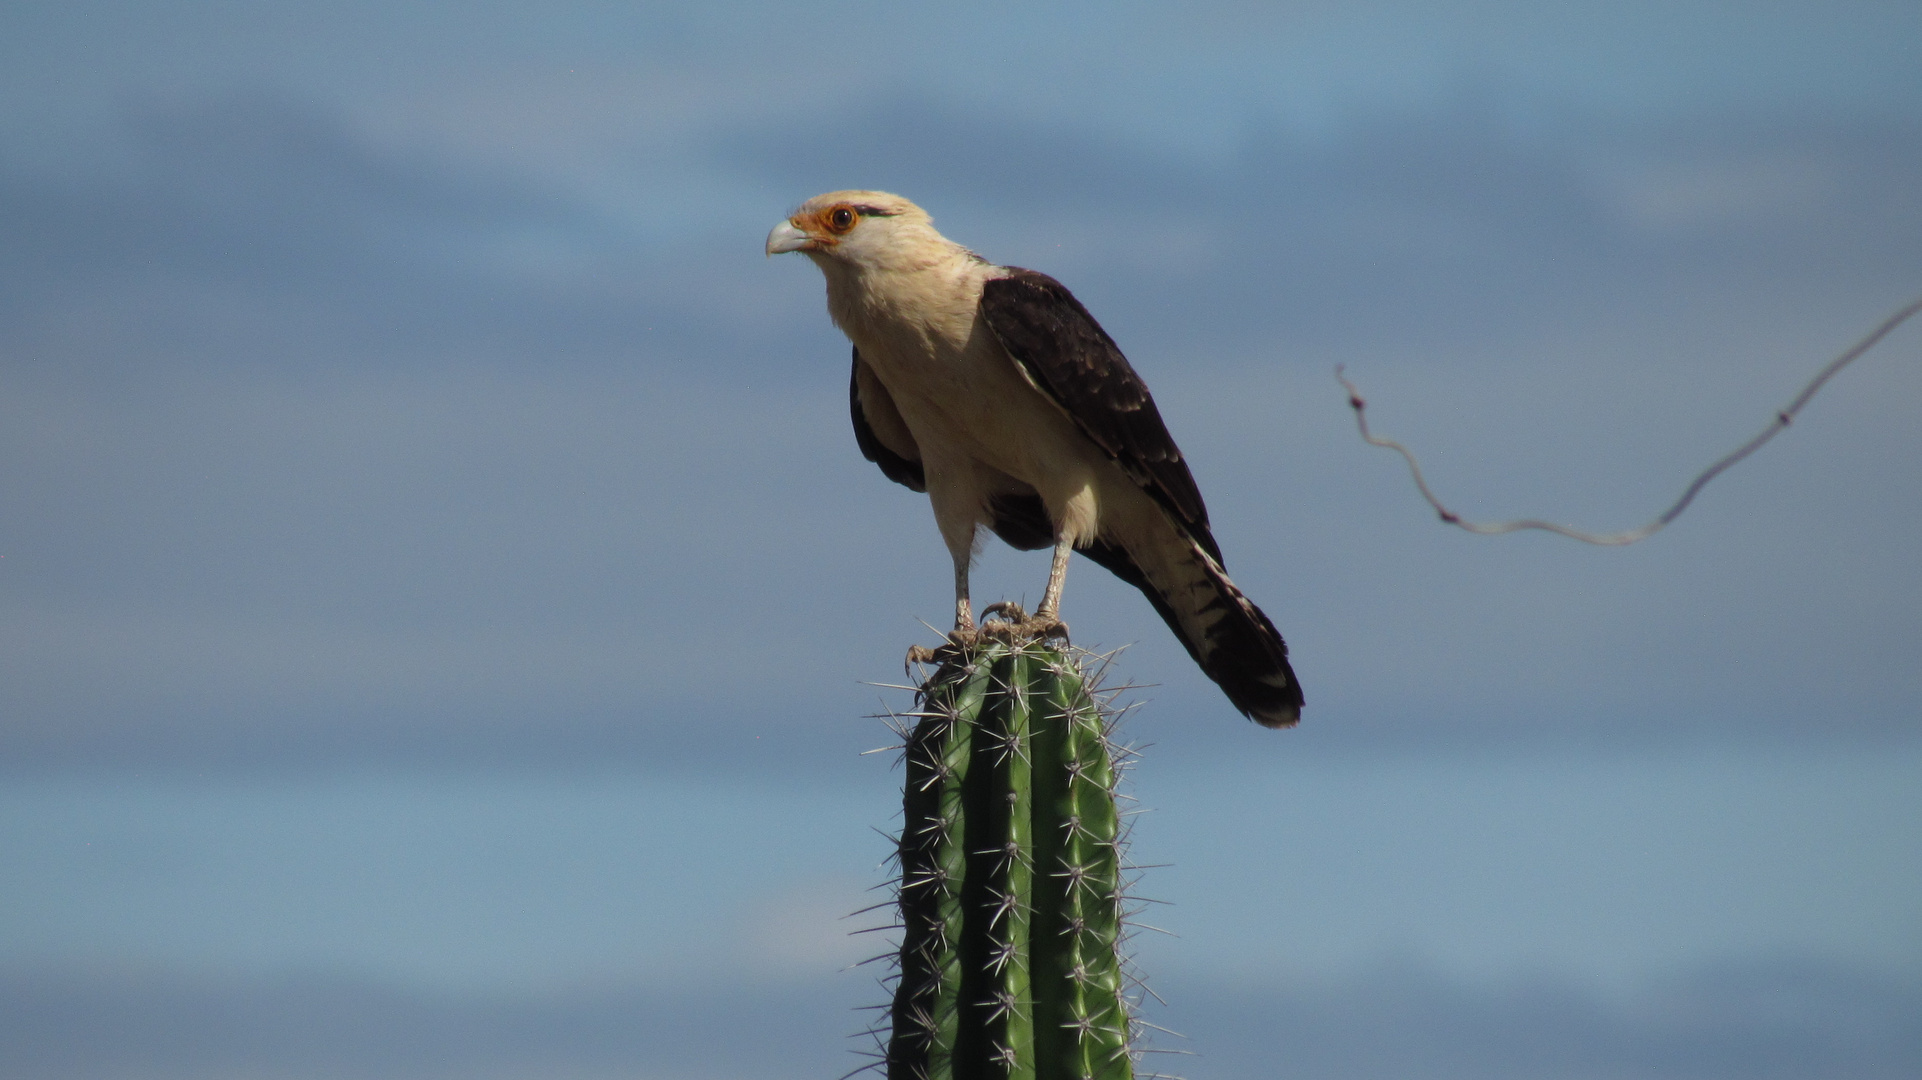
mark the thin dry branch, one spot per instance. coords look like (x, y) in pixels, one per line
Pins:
(1782, 419)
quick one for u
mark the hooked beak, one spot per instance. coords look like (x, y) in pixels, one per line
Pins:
(786, 237)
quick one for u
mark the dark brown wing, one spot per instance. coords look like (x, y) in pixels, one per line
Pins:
(1067, 354)
(880, 432)
(1076, 363)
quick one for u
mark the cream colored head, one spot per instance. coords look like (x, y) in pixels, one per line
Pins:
(861, 231)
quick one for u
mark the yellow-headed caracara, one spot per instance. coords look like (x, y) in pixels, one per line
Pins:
(993, 390)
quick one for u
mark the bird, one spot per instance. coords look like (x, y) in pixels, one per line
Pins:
(994, 391)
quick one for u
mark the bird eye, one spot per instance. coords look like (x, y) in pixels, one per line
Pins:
(840, 219)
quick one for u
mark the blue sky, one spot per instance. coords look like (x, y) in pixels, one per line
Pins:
(438, 588)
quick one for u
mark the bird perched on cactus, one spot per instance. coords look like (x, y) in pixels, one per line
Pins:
(994, 391)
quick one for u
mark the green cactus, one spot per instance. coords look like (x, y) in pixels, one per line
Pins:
(1010, 887)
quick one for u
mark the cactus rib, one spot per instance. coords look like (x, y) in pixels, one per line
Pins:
(1010, 887)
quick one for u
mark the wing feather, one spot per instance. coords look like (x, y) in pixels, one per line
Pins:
(1067, 355)
(880, 432)
(1073, 360)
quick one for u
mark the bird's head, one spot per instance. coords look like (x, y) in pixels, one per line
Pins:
(858, 231)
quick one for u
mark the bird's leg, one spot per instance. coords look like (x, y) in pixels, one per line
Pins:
(1047, 618)
(956, 514)
(963, 610)
(965, 632)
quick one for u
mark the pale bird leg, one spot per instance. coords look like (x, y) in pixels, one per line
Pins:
(1057, 576)
(1047, 618)
(964, 634)
(963, 610)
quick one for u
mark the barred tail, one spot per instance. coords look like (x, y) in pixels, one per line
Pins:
(1229, 637)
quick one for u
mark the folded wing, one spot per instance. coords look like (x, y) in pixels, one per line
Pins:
(1174, 559)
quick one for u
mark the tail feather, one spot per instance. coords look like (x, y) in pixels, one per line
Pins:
(1231, 639)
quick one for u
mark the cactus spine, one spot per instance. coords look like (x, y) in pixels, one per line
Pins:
(1010, 886)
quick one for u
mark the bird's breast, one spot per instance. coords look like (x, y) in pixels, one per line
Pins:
(965, 400)
(968, 402)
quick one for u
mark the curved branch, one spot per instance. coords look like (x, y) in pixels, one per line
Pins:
(1782, 419)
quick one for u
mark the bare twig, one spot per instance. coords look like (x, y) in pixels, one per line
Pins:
(1494, 528)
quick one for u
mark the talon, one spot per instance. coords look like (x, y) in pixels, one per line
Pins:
(960, 640)
(1045, 626)
(1003, 621)
(1007, 610)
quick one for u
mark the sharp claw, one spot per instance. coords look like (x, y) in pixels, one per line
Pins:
(960, 639)
(1044, 627)
(1007, 610)
(1004, 621)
